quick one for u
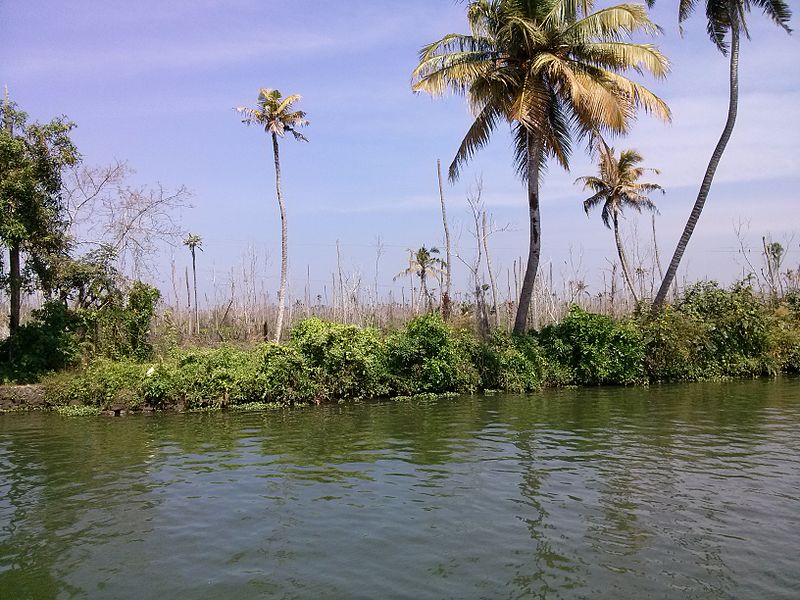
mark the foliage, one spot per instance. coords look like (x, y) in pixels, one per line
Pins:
(350, 361)
(32, 210)
(274, 114)
(139, 311)
(430, 356)
(46, 343)
(100, 384)
(57, 337)
(737, 335)
(677, 346)
(617, 185)
(596, 350)
(511, 364)
(711, 333)
(547, 69)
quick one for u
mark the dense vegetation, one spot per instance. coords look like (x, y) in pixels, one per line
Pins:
(710, 333)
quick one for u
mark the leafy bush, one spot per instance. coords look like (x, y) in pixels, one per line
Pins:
(785, 336)
(429, 356)
(351, 361)
(121, 330)
(46, 343)
(512, 364)
(100, 384)
(678, 347)
(736, 328)
(595, 350)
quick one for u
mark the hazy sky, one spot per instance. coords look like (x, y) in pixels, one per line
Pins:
(155, 83)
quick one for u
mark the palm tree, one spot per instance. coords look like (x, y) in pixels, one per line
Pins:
(724, 16)
(553, 70)
(194, 243)
(617, 187)
(276, 116)
(424, 262)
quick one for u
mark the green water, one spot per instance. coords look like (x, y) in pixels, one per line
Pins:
(670, 492)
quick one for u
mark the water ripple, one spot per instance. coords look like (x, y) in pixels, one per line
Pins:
(667, 492)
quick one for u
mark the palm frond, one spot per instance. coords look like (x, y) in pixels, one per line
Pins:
(613, 24)
(476, 138)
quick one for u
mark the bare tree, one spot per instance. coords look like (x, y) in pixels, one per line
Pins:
(104, 209)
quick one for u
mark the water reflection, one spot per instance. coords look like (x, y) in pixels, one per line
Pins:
(672, 491)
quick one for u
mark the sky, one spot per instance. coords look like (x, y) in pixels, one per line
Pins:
(155, 83)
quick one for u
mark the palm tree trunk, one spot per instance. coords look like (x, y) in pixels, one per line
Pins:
(15, 286)
(196, 309)
(448, 266)
(733, 106)
(622, 260)
(284, 240)
(535, 151)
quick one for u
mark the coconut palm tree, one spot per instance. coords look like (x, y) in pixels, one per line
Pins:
(616, 188)
(194, 243)
(274, 113)
(423, 262)
(553, 70)
(724, 17)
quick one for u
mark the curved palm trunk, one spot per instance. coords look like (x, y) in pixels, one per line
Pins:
(733, 106)
(626, 271)
(534, 250)
(284, 240)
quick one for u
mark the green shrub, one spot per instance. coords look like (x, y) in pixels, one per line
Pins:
(785, 336)
(228, 376)
(284, 376)
(100, 384)
(595, 350)
(141, 306)
(737, 328)
(46, 343)
(512, 364)
(429, 356)
(269, 373)
(678, 347)
(351, 361)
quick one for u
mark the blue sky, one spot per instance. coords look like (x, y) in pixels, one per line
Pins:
(155, 83)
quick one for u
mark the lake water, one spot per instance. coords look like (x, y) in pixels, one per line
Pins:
(685, 491)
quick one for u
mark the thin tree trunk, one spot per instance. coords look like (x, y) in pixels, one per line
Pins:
(655, 249)
(196, 303)
(188, 300)
(14, 271)
(733, 106)
(448, 266)
(15, 286)
(535, 151)
(626, 271)
(341, 282)
(492, 281)
(284, 241)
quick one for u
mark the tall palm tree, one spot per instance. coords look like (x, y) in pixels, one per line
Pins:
(274, 113)
(617, 187)
(424, 262)
(553, 70)
(723, 17)
(194, 242)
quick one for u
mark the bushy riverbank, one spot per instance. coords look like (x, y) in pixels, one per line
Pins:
(711, 333)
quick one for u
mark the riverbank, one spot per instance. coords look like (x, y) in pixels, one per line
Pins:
(711, 334)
